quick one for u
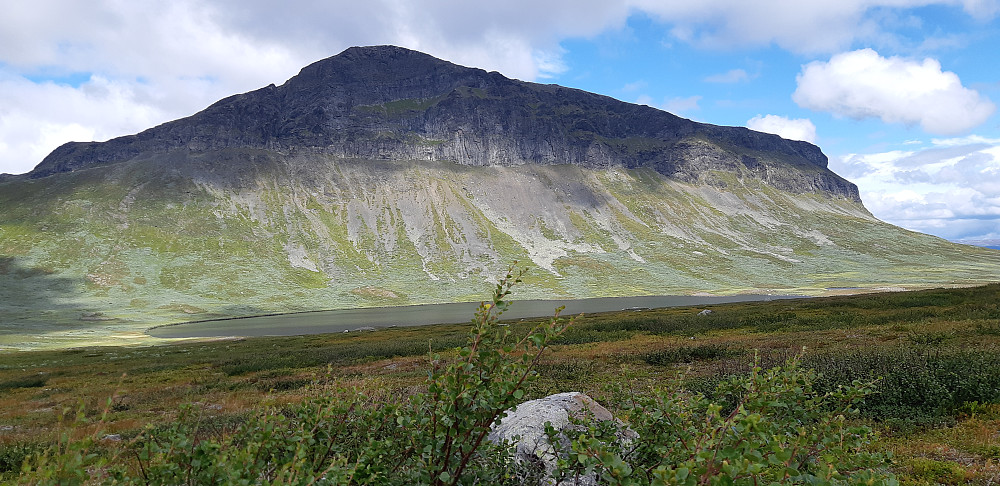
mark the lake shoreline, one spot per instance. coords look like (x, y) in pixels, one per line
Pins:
(341, 320)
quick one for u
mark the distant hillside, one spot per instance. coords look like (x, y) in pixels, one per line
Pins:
(992, 244)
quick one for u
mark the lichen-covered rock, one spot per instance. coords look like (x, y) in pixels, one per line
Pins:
(527, 423)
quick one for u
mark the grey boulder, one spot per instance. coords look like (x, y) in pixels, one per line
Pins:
(526, 423)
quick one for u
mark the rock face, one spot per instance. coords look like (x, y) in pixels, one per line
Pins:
(527, 421)
(390, 103)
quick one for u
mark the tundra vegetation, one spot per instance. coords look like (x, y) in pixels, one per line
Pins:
(874, 389)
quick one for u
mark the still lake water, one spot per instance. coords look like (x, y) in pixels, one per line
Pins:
(341, 320)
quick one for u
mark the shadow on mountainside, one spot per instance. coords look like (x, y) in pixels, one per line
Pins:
(29, 293)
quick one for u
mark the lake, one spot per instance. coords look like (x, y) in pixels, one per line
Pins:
(320, 322)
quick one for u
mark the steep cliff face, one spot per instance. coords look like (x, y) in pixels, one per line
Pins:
(389, 103)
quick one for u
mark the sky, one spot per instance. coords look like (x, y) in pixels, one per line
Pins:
(900, 94)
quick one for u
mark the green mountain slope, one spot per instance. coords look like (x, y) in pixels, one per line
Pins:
(112, 250)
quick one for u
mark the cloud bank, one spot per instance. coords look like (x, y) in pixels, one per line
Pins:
(951, 188)
(813, 27)
(728, 77)
(862, 84)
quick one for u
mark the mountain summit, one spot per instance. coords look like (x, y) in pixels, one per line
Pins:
(392, 103)
(383, 176)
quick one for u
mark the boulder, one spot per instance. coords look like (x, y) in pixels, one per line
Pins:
(533, 452)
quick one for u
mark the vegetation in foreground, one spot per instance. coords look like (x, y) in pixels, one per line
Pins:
(934, 407)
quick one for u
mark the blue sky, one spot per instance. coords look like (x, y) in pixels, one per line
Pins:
(900, 94)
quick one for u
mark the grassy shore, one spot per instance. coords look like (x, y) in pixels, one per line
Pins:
(937, 353)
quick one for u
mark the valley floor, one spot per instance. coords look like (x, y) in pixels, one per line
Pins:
(39, 334)
(936, 352)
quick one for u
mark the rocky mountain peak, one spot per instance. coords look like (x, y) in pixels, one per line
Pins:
(377, 65)
(387, 102)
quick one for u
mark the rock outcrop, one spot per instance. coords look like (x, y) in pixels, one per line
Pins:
(385, 102)
(534, 453)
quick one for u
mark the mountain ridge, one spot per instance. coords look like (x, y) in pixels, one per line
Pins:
(391, 103)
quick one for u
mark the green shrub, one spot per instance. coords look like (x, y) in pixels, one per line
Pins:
(688, 354)
(12, 455)
(779, 430)
(33, 381)
(929, 471)
(340, 353)
(914, 387)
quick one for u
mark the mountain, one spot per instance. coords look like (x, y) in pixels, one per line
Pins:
(384, 176)
(986, 243)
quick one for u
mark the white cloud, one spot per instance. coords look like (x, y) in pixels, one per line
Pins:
(951, 189)
(678, 105)
(635, 86)
(862, 84)
(519, 38)
(818, 26)
(967, 140)
(550, 63)
(731, 76)
(151, 62)
(792, 129)
(681, 105)
(982, 9)
(156, 41)
(37, 117)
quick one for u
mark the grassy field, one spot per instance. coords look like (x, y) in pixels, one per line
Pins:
(936, 353)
